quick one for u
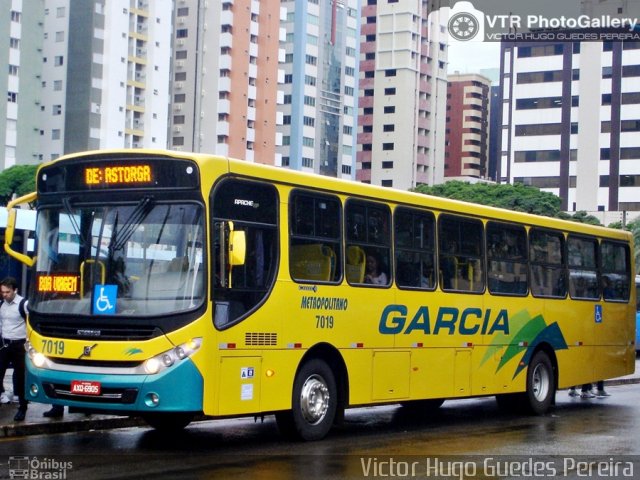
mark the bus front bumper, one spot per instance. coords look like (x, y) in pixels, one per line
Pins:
(177, 389)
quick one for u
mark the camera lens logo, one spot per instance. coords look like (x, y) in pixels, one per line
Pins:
(463, 26)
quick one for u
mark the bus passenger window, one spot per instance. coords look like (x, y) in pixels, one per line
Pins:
(368, 230)
(460, 247)
(315, 237)
(546, 251)
(583, 272)
(616, 269)
(414, 248)
(507, 259)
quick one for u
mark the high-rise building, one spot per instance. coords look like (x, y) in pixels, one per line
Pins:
(225, 78)
(320, 86)
(467, 132)
(402, 92)
(570, 122)
(21, 34)
(105, 75)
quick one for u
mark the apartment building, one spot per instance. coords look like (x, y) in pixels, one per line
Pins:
(402, 91)
(225, 92)
(570, 122)
(21, 32)
(467, 132)
(320, 67)
(105, 75)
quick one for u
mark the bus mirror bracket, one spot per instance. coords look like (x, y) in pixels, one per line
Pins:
(12, 214)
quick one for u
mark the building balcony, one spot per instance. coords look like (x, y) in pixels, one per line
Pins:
(226, 39)
(368, 11)
(367, 65)
(224, 84)
(226, 17)
(368, 29)
(225, 62)
(365, 102)
(367, 83)
(222, 128)
(224, 106)
(365, 137)
(363, 156)
(422, 159)
(251, 135)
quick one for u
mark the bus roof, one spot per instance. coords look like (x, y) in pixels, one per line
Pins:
(347, 187)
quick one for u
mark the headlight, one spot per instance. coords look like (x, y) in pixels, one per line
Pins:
(38, 359)
(166, 359)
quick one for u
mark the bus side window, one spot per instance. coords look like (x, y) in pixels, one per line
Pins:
(548, 263)
(507, 259)
(368, 229)
(615, 266)
(315, 237)
(460, 247)
(414, 248)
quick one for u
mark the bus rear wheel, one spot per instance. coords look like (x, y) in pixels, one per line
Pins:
(540, 384)
(314, 403)
(168, 422)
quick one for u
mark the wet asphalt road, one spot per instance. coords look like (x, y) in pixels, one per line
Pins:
(467, 432)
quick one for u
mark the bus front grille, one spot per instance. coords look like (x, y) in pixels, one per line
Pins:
(98, 332)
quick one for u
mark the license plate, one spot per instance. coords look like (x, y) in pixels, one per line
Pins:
(85, 387)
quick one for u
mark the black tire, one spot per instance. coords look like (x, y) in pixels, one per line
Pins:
(541, 384)
(168, 422)
(313, 405)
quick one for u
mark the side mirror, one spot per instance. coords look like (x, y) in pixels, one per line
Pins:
(237, 247)
(11, 226)
(233, 251)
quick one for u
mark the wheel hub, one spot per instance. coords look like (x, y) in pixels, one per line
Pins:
(314, 399)
(540, 383)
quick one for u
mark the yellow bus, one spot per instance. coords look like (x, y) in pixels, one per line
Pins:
(170, 286)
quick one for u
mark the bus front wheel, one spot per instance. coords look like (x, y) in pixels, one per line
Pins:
(540, 384)
(314, 403)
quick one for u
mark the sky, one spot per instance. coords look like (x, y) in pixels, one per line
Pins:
(471, 57)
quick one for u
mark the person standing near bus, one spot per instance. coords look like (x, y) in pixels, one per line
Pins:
(13, 313)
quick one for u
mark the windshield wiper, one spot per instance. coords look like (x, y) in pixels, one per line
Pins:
(72, 219)
(139, 213)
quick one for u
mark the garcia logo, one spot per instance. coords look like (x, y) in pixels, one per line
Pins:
(466, 22)
(396, 319)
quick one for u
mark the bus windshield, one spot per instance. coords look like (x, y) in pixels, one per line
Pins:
(132, 260)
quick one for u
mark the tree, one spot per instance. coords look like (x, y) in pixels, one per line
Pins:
(634, 227)
(517, 197)
(19, 179)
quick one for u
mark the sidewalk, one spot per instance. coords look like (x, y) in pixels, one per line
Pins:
(36, 424)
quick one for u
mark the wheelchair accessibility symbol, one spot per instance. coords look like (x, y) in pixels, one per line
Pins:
(598, 314)
(104, 299)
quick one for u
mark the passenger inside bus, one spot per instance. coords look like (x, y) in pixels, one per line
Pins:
(374, 274)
